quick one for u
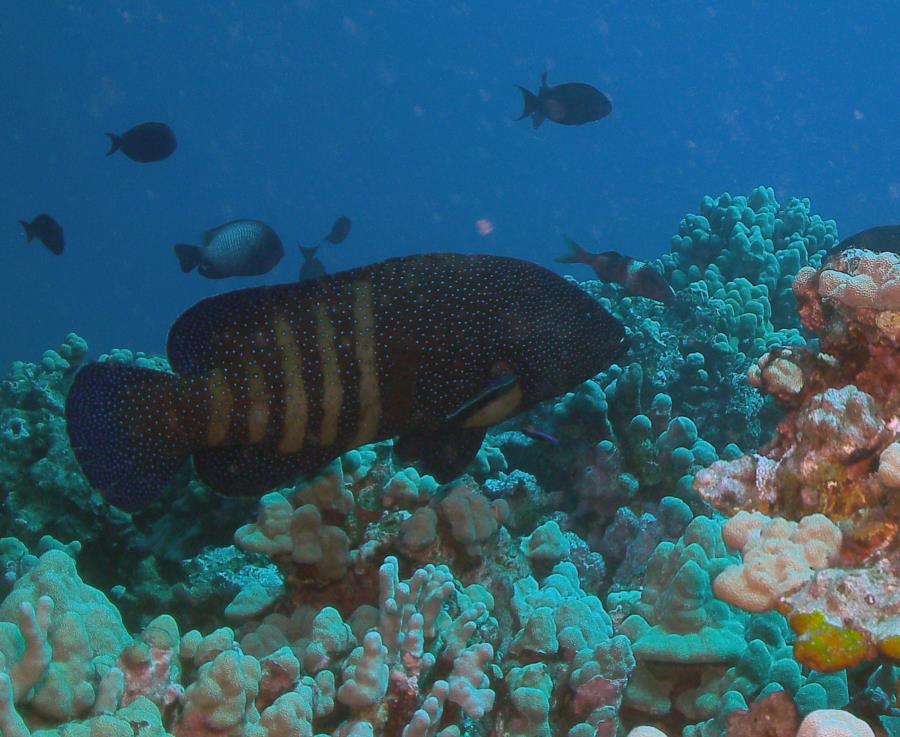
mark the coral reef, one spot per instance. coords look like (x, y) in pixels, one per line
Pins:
(701, 541)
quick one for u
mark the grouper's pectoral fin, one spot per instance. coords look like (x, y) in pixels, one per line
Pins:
(497, 402)
(445, 454)
(245, 471)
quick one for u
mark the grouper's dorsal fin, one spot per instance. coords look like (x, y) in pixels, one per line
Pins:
(497, 402)
(206, 336)
(444, 454)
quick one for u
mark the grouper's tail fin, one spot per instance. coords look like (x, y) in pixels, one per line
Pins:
(125, 433)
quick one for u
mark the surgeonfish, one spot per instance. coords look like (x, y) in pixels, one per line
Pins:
(238, 248)
(878, 239)
(339, 231)
(274, 382)
(312, 267)
(144, 143)
(572, 103)
(638, 278)
(49, 232)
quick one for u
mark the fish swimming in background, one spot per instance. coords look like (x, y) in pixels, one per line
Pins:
(878, 239)
(638, 278)
(144, 143)
(340, 230)
(238, 248)
(49, 232)
(572, 103)
(312, 267)
(275, 382)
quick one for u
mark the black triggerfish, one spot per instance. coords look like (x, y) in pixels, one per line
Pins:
(877, 239)
(274, 382)
(145, 143)
(49, 232)
(312, 267)
(339, 231)
(637, 278)
(572, 103)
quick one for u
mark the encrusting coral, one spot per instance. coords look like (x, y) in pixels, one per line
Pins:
(835, 455)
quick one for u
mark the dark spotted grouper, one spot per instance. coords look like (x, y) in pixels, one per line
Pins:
(274, 382)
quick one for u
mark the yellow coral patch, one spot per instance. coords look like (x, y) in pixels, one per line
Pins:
(890, 648)
(888, 322)
(826, 648)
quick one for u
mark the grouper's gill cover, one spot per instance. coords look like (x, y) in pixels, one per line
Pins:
(274, 382)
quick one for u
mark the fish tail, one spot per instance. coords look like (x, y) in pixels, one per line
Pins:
(188, 256)
(530, 103)
(574, 254)
(308, 251)
(29, 232)
(124, 432)
(115, 143)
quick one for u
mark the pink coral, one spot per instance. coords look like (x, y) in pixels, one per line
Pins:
(836, 453)
(779, 556)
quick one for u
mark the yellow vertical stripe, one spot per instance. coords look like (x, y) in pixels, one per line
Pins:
(332, 391)
(257, 403)
(369, 394)
(296, 413)
(221, 400)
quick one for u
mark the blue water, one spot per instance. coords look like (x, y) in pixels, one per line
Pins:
(401, 115)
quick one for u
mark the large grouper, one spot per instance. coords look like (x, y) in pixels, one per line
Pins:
(274, 382)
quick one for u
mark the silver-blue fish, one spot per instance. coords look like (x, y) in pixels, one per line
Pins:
(238, 248)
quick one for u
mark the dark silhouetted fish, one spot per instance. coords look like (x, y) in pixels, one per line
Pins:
(274, 382)
(878, 239)
(638, 278)
(238, 248)
(573, 103)
(312, 268)
(144, 143)
(340, 230)
(47, 231)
